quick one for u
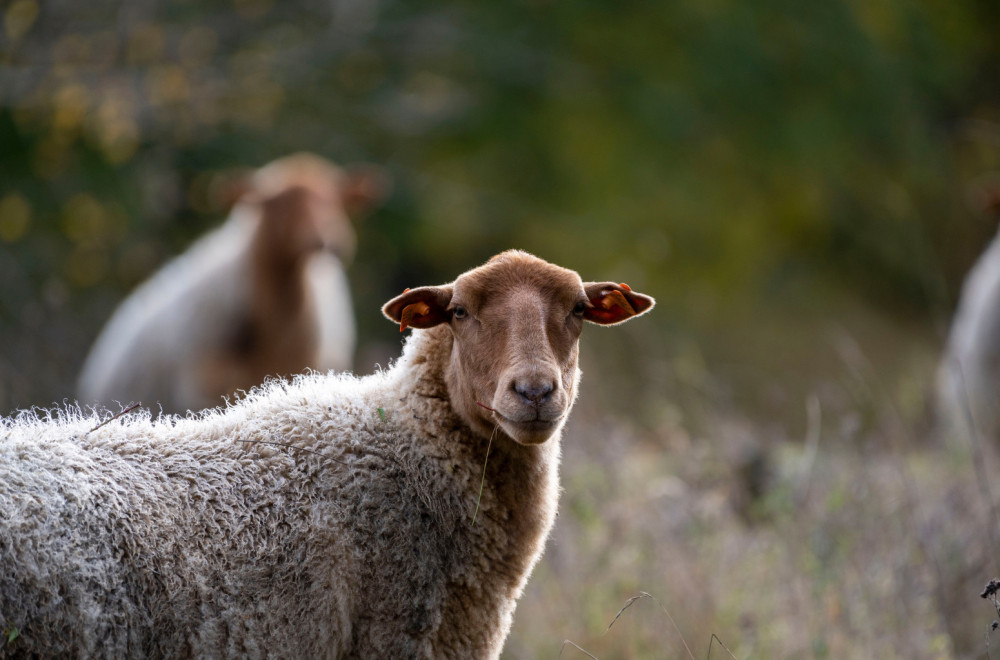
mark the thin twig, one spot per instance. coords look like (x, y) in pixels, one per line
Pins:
(991, 592)
(111, 419)
(578, 648)
(482, 484)
(643, 594)
(627, 605)
(715, 638)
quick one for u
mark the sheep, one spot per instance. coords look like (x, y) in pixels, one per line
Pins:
(397, 515)
(969, 375)
(263, 295)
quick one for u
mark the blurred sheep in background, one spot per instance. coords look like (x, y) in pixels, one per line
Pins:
(969, 375)
(265, 294)
(970, 372)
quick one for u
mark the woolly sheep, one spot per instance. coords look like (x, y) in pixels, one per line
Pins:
(263, 295)
(969, 378)
(329, 516)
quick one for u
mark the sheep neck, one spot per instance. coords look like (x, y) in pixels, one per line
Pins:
(277, 276)
(281, 325)
(520, 493)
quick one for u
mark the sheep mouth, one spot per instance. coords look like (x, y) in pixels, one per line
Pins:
(534, 425)
(529, 422)
(529, 431)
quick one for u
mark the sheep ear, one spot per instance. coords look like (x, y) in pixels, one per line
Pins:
(425, 307)
(228, 188)
(612, 303)
(363, 187)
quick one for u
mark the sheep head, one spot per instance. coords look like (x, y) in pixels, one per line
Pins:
(307, 203)
(516, 324)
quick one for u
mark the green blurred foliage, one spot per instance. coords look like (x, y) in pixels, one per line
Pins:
(713, 154)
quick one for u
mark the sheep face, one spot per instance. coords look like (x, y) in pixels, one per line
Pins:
(516, 324)
(306, 204)
(297, 223)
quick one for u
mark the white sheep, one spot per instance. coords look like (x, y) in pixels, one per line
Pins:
(393, 516)
(969, 376)
(264, 295)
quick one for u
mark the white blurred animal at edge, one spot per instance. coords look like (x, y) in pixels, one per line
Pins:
(969, 377)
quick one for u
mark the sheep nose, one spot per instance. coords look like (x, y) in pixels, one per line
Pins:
(533, 392)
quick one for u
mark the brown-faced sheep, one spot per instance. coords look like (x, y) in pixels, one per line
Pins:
(326, 517)
(264, 295)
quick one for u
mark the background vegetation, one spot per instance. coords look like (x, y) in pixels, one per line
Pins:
(800, 185)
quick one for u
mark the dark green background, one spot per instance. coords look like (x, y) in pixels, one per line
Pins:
(737, 160)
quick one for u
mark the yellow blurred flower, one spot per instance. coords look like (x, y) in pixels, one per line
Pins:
(19, 17)
(15, 217)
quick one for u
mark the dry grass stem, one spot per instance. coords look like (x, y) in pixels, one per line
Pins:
(482, 483)
(643, 594)
(113, 418)
(577, 647)
(713, 640)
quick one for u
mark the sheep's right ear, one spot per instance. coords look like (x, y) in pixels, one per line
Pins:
(424, 307)
(363, 187)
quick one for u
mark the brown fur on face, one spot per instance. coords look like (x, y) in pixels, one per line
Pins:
(516, 324)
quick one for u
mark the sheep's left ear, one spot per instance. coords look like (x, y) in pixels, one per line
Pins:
(612, 303)
(425, 307)
(362, 188)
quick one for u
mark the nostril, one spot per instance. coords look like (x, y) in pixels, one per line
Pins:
(533, 392)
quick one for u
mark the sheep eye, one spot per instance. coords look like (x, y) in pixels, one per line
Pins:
(459, 312)
(580, 308)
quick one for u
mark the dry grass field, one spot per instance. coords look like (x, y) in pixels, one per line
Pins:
(798, 505)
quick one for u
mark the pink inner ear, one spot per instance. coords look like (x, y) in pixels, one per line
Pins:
(616, 299)
(610, 307)
(412, 310)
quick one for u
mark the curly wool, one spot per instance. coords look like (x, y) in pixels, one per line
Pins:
(351, 536)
